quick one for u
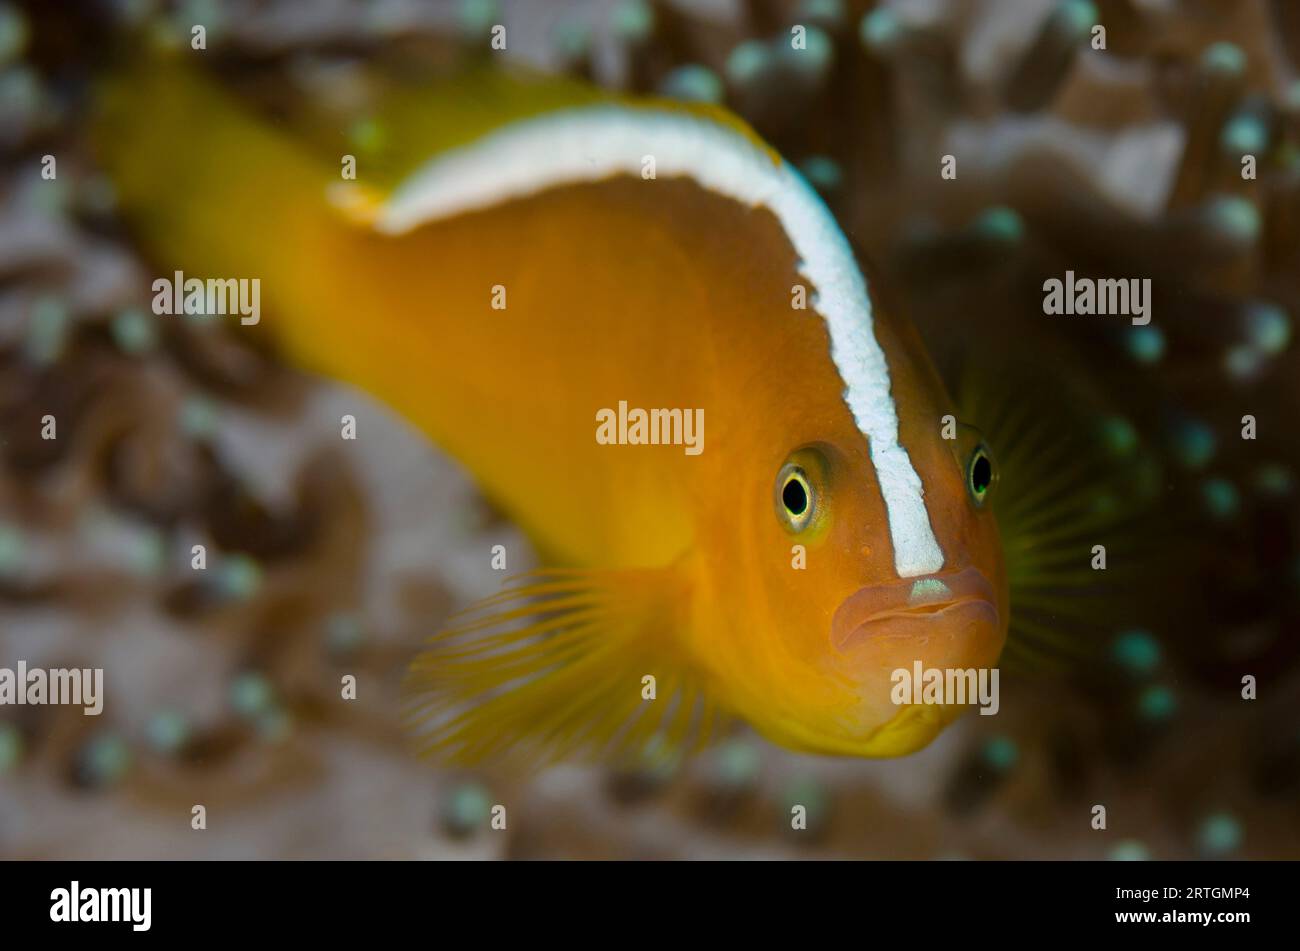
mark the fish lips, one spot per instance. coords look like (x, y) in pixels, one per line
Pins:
(960, 602)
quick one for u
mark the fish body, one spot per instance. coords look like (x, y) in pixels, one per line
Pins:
(517, 295)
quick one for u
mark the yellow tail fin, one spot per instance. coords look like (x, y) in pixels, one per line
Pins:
(207, 186)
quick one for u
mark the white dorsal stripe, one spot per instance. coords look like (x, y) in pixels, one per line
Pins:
(598, 142)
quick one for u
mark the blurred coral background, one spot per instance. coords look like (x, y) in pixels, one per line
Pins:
(223, 686)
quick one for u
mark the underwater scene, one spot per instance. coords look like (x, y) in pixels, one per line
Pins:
(650, 429)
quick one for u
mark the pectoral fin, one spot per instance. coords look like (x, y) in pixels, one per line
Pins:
(562, 664)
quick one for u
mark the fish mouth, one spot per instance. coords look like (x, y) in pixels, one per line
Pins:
(957, 602)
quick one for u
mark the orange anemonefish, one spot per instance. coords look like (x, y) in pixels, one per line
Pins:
(519, 262)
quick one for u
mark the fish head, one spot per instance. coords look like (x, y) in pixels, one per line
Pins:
(865, 600)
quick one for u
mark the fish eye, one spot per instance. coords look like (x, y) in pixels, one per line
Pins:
(796, 496)
(980, 474)
(799, 496)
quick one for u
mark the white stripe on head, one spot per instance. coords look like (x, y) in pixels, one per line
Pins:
(598, 142)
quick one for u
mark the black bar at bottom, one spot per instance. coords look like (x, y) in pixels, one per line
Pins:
(331, 901)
